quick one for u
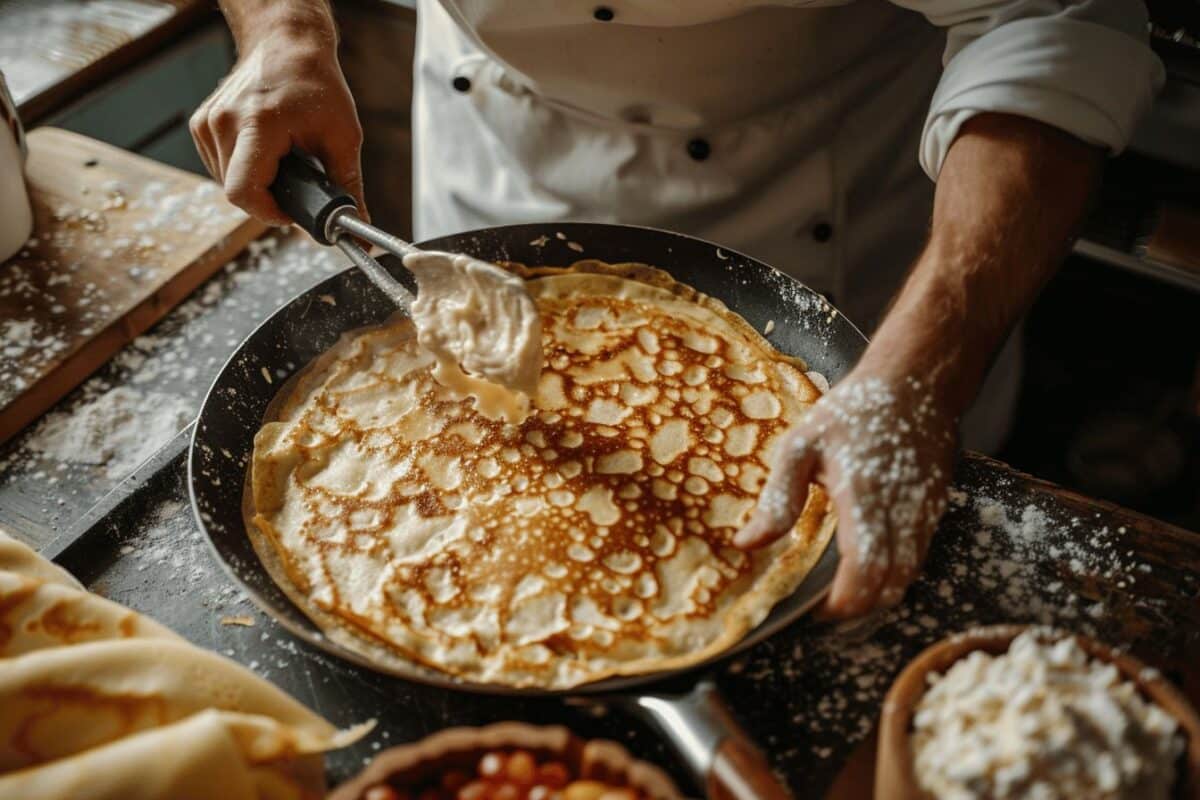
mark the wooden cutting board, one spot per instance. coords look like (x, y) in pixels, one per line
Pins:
(118, 241)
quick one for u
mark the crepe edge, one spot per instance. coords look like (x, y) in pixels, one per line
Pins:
(788, 570)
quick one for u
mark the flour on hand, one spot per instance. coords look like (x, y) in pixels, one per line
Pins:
(881, 450)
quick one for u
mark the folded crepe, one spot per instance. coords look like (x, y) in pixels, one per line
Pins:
(99, 702)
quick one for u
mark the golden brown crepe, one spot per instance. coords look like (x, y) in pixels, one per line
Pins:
(592, 539)
(99, 703)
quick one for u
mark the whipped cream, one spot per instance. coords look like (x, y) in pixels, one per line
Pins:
(483, 329)
(1045, 721)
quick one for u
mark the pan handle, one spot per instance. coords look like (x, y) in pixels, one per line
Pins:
(306, 194)
(721, 756)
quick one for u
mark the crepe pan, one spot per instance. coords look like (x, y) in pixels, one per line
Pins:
(710, 742)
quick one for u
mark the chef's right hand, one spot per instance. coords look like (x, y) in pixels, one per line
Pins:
(286, 91)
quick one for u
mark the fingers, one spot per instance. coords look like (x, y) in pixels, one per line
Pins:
(251, 169)
(864, 543)
(202, 136)
(912, 544)
(279, 96)
(882, 553)
(223, 126)
(341, 156)
(908, 551)
(782, 499)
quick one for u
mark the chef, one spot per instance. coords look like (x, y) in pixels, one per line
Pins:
(924, 163)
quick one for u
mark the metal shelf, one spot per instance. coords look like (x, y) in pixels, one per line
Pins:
(1177, 276)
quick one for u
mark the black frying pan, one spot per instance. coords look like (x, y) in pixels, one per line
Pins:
(805, 325)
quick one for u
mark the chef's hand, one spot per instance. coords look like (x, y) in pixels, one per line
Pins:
(286, 91)
(1010, 194)
(883, 448)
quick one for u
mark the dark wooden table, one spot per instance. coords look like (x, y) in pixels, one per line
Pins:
(811, 695)
(1011, 549)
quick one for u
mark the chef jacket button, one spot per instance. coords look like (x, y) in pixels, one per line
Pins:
(462, 83)
(603, 13)
(698, 149)
(822, 232)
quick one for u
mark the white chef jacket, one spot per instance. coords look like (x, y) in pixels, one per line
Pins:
(794, 131)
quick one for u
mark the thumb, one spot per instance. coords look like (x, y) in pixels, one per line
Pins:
(784, 496)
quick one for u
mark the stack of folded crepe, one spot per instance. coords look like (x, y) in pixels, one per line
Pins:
(98, 702)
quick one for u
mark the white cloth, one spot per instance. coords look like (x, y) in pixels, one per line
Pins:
(813, 113)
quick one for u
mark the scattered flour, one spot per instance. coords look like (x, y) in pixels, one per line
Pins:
(179, 357)
(119, 429)
(17, 336)
(1045, 721)
(80, 298)
(1005, 553)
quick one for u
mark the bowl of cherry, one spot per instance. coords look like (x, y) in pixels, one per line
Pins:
(508, 761)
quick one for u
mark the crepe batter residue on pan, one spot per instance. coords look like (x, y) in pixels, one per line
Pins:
(590, 540)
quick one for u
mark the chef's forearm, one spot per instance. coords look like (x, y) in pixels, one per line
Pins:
(1009, 198)
(253, 20)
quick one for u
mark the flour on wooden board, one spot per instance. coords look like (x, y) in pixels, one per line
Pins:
(82, 298)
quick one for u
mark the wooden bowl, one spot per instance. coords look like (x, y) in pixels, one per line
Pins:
(895, 773)
(461, 748)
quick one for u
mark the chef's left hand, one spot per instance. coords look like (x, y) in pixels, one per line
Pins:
(1010, 194)
(883, 447)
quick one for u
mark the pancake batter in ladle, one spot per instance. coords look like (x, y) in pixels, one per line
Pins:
(483, 329)
(478, 321)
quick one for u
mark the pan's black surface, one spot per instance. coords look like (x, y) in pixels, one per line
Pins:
(804, 325)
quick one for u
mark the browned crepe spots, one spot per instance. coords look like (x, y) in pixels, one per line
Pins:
(592, 539)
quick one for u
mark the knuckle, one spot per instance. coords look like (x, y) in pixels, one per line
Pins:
(262, 113)
(223, 118)
(239, 193)
(198, 122)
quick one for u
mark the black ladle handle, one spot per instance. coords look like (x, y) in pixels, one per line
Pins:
(306, 194)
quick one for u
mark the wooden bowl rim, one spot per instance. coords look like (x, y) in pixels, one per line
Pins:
(588, 757)
(895, 759)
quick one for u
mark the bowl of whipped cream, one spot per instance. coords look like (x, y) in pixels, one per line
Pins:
(1017, 711)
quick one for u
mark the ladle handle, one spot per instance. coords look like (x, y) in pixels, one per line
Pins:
(740, 772)
(307, 195)
(719, 753)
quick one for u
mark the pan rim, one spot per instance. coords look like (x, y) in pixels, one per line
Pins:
(811, 589)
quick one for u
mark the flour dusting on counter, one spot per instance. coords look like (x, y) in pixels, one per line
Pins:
(1004, 555)
(119, 429)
